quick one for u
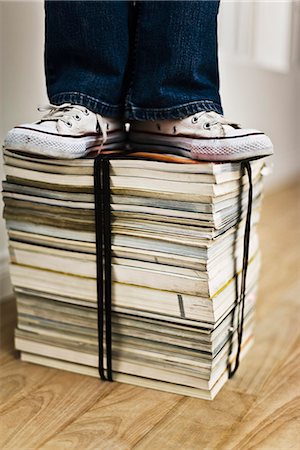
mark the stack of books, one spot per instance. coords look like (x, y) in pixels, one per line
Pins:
(177, 236)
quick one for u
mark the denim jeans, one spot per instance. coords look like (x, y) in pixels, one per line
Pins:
(141, 60)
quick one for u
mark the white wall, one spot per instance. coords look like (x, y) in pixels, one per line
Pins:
(260, 74)
(22, 84)
(22, 61)
(268, 101)
(5, 288)
(256, 97)
(4, 279)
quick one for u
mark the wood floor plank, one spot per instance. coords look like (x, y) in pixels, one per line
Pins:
(280, 237)
(49, 408)
(18, 380)
(273, 421)
(277, 334)
(117, 421)
(8, 323)
(278, 301)
(198, 424)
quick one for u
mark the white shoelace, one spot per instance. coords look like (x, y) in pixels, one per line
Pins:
(215, 119)
(67, 113)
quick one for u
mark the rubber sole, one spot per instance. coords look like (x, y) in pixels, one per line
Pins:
(60, 147)
(219, 150)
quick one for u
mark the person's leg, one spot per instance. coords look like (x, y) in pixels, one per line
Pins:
(173, 102)
(86, 57)
(86, 53)
(175, 67)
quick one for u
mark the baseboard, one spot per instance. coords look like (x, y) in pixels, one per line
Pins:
(5, 284)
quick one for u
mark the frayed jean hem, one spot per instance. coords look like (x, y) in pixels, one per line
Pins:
(131, 112)
(176, 112)
(93, 104)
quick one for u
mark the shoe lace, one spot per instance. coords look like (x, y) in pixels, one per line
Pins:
(68, 112)
(213, 119)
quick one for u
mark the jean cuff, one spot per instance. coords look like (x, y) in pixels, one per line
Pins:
(93, 104)
(175, 112)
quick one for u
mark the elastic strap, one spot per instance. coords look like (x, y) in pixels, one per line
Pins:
(241, 304)
(103, 262)
(99, 258)
(107, 265)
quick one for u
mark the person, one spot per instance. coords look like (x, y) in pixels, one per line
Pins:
(152, 64)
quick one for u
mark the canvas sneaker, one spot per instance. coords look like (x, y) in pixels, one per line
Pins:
(205, 136)
(67, 131)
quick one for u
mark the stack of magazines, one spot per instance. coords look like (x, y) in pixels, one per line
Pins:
(177, 247)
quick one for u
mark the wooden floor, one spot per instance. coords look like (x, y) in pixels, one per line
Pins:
(258, 409)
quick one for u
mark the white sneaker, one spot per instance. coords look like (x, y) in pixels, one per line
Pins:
(67, 131)
(205, 136)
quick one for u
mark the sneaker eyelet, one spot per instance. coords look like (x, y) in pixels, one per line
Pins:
(86, 112)
(195, 119)
(69, 124)
(77, 117)
(207, 126)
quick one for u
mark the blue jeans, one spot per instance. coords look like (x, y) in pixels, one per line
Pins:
(141, 60)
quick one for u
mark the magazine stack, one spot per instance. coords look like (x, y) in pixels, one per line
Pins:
(177, 255)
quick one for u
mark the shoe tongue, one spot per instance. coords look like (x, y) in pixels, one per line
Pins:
(206, 115)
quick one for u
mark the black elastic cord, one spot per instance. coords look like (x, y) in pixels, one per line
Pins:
(107, 263)
(241, 305)
(98, 192)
